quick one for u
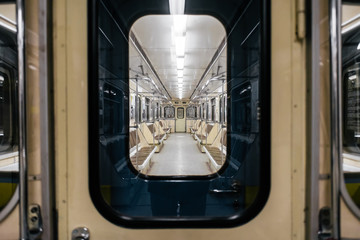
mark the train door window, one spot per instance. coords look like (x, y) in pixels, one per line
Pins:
(9, 166)
(152, 51)
(180, 112)
(351, 103)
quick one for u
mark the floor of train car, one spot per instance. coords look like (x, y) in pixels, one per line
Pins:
(179, 156)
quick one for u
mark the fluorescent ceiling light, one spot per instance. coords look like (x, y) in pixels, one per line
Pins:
(179, 24)
(180, 46)
(180, 79)
(180, 73)
(358, 47)
(177, 6)
(180, 62)
(352, 77)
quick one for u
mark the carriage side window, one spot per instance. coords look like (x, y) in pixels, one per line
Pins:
(174, 151)
(208, 115)
(7, 112)
(351, 101)
(4, 113)
(169, 112)
(202, 112)
(191, 112)
(147, 110)
(221, 109)
(157, 111)
(9, 167)
(213, 105)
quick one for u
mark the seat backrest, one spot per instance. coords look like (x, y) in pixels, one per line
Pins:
(224, 137)
(132, 136)
(151, 127)
(198, 123)
(208, 128)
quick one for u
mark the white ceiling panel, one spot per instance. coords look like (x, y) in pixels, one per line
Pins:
(157, 36)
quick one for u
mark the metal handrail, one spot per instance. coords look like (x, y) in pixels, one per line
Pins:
(336, 117)
(20, 12)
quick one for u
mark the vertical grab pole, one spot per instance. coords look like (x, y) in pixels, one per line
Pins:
(20, 15)
(153, 120)
(313, 118)
(207, 115)
(221, 122)
(202, 119)
(336, 116)
(137, 119)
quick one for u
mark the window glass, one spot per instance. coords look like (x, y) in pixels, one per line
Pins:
(9, 167)
(128, 41)
(351, 99)
(213, 105)
(180, 113)
(191, 112)
(169, 112)
(113, 116)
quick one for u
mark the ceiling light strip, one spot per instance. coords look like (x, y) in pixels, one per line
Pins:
(176, 7)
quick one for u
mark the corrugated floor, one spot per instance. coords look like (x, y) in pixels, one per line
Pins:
(179, 156)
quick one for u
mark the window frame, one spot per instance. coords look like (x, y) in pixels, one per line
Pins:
(9, 70)
(177, 112)
(339, 106)
(203, 222)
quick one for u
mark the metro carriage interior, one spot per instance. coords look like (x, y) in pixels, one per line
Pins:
(182, 105)
(154, 117)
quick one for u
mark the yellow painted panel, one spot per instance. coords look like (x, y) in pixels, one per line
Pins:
(6, 192)
(354, 192)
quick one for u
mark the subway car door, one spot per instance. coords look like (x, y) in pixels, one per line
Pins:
(180, 119)
(111, 200)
